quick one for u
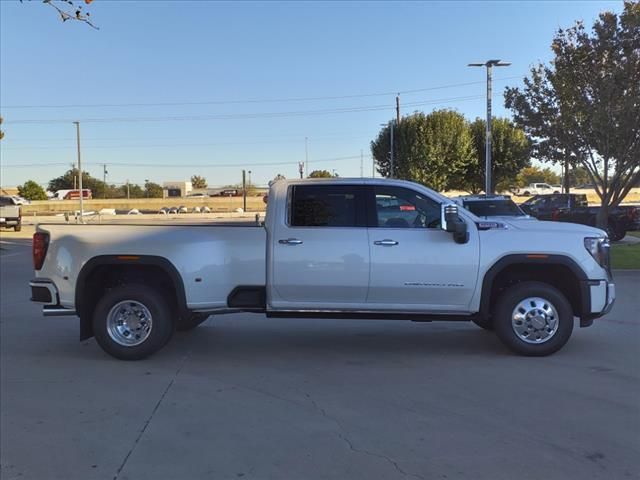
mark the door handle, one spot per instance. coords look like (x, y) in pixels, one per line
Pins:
(290, 241)
(386, 243)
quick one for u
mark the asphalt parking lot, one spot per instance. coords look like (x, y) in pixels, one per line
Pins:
(245, 397)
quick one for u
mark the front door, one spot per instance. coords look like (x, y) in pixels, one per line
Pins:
(414, 264)
(320, 256)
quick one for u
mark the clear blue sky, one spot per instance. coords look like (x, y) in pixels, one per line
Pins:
(192, 52)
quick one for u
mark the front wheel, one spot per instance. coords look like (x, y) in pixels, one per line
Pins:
(131, 322)
(17, 227)
(533, 318)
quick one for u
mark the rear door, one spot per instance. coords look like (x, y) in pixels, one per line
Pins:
(416, 266)
(320, 251)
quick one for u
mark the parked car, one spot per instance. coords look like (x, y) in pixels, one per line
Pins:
(492, 207)
(575, 208)
(341, 248)
(10, 213)
(20, 200)
(537, 189)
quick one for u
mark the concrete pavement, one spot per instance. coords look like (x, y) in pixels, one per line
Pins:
(247, 397)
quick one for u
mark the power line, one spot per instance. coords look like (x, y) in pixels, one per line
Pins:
(182, 165)
(254, 101)
(235, 116)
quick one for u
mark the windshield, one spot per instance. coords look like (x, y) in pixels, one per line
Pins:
(492, 208)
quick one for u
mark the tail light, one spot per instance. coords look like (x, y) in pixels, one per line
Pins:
(40, 246)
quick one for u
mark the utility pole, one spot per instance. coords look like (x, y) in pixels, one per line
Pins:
(489, 64)
(391, 129)
(80, 172)
(128, 196)
(306, 157)
(244, 190)
(104, 179)
(398, 109)
(301, 169)
(361, 164)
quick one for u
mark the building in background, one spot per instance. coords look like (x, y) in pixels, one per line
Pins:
(176, 189)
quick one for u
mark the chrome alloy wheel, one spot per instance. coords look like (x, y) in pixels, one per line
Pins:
(535, 320)
(129, 323)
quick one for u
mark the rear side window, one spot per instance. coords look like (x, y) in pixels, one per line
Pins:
(494, 207)
(326, 206)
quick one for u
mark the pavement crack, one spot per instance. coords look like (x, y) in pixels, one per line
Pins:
(353, 448)
(148, 421)
(389, 460)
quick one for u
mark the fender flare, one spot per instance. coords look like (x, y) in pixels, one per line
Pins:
(86, 330)
(535, 259)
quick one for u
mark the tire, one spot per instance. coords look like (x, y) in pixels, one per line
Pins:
(484, 323)
(17, 228)
(547, 303)
(140, 342)
(184, 325)
(615, 232)
(526, 194)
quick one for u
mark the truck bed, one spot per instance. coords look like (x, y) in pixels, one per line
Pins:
(211, 259)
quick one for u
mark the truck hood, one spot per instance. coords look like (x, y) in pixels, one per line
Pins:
(560, 227)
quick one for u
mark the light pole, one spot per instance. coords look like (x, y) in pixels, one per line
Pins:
(77, 124)
(489, 64)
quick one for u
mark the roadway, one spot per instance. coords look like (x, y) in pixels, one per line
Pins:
(245, 397)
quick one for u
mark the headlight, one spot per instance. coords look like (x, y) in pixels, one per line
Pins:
(598, 248)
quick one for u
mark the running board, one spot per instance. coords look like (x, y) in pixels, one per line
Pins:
(58, 311)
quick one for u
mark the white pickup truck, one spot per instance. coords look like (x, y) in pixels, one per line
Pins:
(332, 248)
(537, 189)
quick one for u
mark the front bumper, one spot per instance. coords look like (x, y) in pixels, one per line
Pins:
(599, 297)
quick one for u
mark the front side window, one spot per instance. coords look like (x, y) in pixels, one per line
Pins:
(398, 207)
(326, 206)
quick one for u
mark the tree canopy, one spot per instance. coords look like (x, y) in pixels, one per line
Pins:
(444, 151)
(584, 107)
(32, 191)
(198, 182)
(321, 174)
(529, 175)
(510, 153)
(428, 148)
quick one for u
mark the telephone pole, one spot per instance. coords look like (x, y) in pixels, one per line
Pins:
(398, 109)
(488, 187)
(306, 157)
(361, 163)
(391, 129)
(244, 190)
(77, 124)
(104, 179)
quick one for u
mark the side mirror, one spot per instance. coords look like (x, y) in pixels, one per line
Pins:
(452, 223)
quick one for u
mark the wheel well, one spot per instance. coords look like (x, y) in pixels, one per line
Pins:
(556, 275)
(93, 284)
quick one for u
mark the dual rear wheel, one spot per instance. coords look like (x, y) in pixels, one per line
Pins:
(133, 321)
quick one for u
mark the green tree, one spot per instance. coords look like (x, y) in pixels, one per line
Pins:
(579, 176)
(510, 153)
(529, 175)
(428, 148)
(584, 108)
(198, 182)
(134, 191)
(32, 191)
(153, 190)
(321, 174)
(69, 180)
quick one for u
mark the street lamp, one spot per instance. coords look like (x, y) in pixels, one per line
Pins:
(488, 189)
